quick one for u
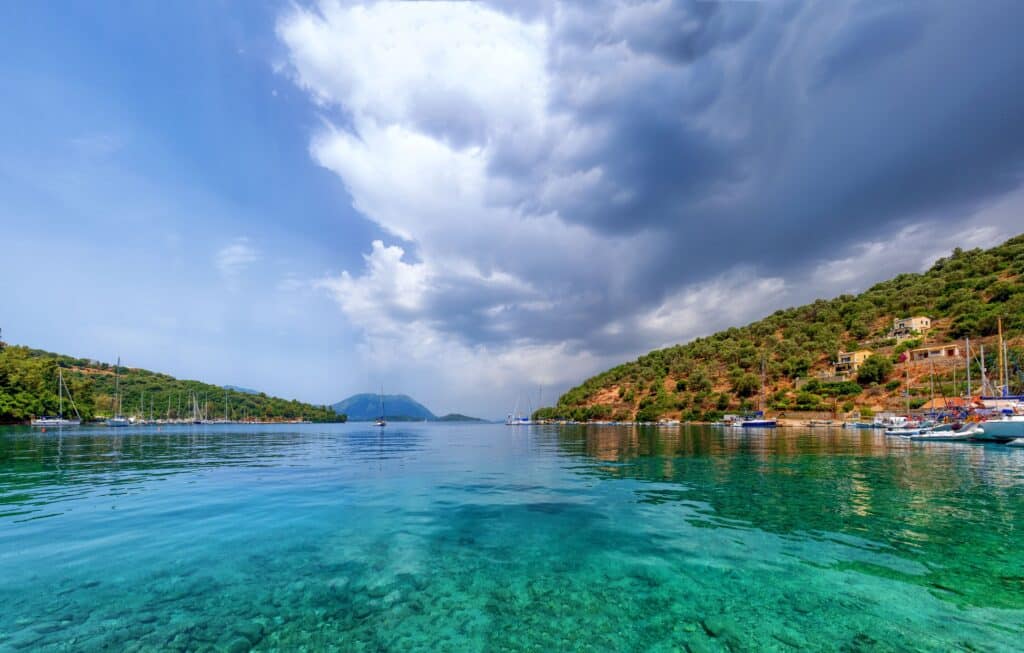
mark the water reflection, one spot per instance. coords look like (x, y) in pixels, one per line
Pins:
(41, 468)
(957, 509)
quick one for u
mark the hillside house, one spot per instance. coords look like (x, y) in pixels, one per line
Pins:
(905, 328)
(847, 363)
(945, 353)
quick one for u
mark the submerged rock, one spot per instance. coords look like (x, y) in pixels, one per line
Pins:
(238, 645)
(699, 646)
(250, 630)
(719, 626)
(790, 637)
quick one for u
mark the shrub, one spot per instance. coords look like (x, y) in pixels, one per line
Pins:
(746, 385)
(876, 369)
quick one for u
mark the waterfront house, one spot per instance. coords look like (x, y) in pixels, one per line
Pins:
(944, 352)
(905, 328)
(848, 362)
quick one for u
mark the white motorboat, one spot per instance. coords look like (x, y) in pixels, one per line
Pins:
(937, 435)
(1009, 428)
(909, 429)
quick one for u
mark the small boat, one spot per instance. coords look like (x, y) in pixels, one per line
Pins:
(910, 429)
(759, 423)
(1019, 442)
(819, 423)
(60, 421)
(947, 435)
(380, 421)
(757, 420)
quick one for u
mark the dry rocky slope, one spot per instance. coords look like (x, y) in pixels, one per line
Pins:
(964, 295)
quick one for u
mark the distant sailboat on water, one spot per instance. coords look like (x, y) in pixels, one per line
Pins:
(515, 419)
(118, 419)
(59, 420)
(380, 420)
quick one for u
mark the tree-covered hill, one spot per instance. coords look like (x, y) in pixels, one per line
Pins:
(28, 387)
(964, 294)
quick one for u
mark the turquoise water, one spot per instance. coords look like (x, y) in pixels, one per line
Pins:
(441, 537)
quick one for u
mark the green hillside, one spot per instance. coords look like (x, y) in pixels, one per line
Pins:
(28, 387)
(964, 294)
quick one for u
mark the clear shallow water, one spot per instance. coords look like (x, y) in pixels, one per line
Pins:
(470, 537)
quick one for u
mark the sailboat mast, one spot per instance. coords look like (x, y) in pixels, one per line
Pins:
(117, 386)
(931, 381)
(908, 386)
(60, 393)
(999, 358)
(967, 342)
(761, 403)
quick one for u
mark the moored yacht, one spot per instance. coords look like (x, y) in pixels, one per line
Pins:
(1007, 429)
(118, 419)
(60, 420)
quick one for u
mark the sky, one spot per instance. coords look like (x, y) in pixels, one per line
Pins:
(479, 203)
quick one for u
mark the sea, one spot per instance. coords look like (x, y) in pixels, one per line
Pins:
(486, 537)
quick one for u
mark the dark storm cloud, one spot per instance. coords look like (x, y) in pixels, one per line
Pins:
(774, 135)
(876, 31)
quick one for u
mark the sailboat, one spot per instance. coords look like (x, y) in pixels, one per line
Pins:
(380, 420)
(59, 420)
(118, 419)
(759, 421)
(515, 419)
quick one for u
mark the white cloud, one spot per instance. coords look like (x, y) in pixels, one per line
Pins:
(235, 258)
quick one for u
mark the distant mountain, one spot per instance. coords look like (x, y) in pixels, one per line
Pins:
(366, 406)
(458, 417)
(244, 391)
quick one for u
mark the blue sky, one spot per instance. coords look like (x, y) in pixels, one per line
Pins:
(467, 201)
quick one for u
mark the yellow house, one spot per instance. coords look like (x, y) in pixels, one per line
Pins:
(848, 361)
(905, 328)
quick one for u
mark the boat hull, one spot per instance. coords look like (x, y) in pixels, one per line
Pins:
(947, 436)
(118, 421)
(907, 433)
(55, 422)
(1001, 430)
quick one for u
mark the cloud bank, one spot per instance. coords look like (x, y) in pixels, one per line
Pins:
(568, 184)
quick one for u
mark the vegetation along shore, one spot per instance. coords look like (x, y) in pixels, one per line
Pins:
(854, 354)
(28, 388)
